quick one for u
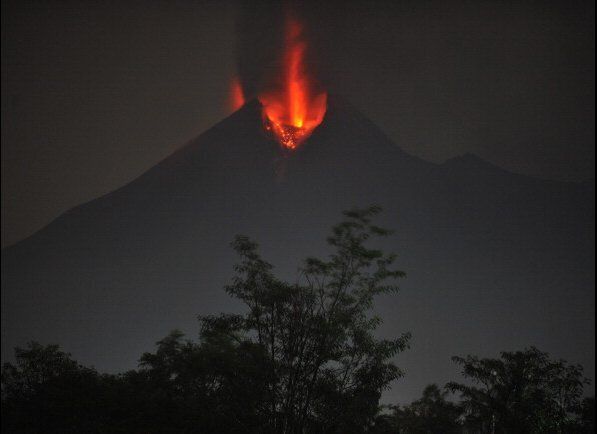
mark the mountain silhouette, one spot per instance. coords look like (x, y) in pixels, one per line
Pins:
(494, 260)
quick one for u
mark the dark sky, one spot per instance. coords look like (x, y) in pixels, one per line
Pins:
(94, 94)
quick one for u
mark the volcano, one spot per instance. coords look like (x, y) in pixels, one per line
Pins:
(511, 254)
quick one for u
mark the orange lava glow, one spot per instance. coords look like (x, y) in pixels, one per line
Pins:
(236, 97)
(293, 110)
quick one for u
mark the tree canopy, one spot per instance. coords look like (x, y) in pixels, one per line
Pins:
(521, 392)
(301, 357)
(325, 368)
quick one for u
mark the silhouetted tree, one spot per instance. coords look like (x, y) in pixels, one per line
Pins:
(432, 414)
(324, 368)
(587, 416)
(522, 392)
(193, 388)
(46, 391)
(302, 358)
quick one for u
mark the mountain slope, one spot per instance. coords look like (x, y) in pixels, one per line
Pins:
(510, 254)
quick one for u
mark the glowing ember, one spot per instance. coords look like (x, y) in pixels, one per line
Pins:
(293, 110)
(236, 97)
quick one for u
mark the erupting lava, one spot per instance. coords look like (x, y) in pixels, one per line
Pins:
(294, 109)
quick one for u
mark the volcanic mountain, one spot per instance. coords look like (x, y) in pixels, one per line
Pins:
(510, 254)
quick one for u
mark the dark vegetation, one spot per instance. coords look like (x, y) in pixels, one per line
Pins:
(302, 358)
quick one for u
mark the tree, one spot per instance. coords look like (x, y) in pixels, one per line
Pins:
(522, 392)
(302, 358)
(432, 414)
(587, 416)
(47, 391)
(325, 368)
(217, 385)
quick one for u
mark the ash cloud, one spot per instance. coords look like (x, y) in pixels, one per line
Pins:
(259, 28)
(260, 41)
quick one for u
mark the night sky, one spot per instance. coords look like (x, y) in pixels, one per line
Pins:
(94, 94)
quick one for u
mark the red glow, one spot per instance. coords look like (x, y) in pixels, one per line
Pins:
(293, 110)
(236, 97)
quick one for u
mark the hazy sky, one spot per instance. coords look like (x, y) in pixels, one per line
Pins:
(94, 94)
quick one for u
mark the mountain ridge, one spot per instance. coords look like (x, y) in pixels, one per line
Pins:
(496, 250)
(465, 161)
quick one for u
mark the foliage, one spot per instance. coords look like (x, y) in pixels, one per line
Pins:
(326, 370)
(522, 392)
(303, 358)
(586, 423)
(185, 387)
(432, 413)
(41, 386)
